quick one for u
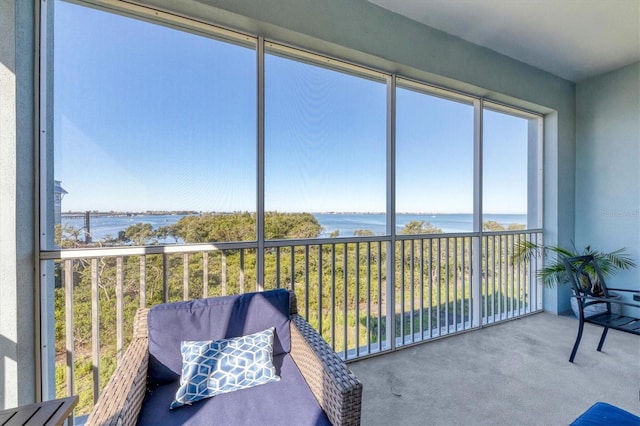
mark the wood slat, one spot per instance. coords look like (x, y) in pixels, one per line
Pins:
(46, 413)
(22, 415)
(4, 418)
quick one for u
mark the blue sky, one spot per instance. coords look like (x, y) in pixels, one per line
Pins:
(151, 118)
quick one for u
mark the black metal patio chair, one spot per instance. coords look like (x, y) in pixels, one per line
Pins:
(589, 289)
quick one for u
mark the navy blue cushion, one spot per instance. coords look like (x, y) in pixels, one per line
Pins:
(285, 402)
(212, 319)
(601, 414)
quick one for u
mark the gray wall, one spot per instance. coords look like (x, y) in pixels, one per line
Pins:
(608, 166)
(17, 254)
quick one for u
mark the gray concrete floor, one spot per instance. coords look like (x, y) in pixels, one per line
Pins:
(513, 373)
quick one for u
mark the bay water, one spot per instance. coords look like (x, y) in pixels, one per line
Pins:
(344, 223)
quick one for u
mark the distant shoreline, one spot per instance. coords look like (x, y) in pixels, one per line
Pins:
(194, 213)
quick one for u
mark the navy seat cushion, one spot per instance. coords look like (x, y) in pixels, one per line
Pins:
(212, 319)
(286, 402)
(601, 414)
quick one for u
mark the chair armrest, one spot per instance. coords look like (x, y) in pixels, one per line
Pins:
(591, 300)
(121, 400)
(623, 289)
(335, 387)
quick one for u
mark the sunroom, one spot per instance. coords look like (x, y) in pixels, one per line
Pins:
(382, 164)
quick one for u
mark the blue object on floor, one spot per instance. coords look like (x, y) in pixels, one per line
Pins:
(602, 413)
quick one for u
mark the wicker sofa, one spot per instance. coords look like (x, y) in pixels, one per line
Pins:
(327, 391)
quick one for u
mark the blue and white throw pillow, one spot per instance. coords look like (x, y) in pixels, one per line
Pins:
(214, 367)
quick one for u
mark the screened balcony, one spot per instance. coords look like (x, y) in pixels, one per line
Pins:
(65, 313)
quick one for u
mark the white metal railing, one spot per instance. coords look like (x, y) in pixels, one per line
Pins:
(365, 295)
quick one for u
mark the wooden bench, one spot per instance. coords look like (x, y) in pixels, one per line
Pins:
(589, 289)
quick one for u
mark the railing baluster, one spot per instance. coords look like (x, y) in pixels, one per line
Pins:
(306, 281)
(241, 272)
(165, 277)
(430, 284)
(368, 321)
(119, 309)
(438, 284)
(333, 296)
(223, 272)
(143, 281)
(421, 284)
(95, 329)
(401, 284)
(205, 275)
(510, 276)
(278, 267)
(517, 273)
(447, 285)
(69, 335)
(357, 299)
(320, 270)
(185, 276)
(292, 270)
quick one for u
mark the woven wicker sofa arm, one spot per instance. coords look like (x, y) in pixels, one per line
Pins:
(121, 400)
(336, 388)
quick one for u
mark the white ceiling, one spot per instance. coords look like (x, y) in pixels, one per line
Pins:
(573, 39)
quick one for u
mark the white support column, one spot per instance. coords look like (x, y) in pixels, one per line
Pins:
(17, 253)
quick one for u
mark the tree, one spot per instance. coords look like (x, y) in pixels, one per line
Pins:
(291, 226)
(223, 227)
(164, 232)
(139, 234)
(420, 227)
(492, 225)
(66, 236)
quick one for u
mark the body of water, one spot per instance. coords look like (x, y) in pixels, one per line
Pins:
(344, 223)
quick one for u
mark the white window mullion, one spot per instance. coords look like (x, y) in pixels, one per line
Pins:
(260, 172)
(476, 316)
(391, 210)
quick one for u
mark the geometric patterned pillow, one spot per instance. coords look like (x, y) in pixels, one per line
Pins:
(211, 368)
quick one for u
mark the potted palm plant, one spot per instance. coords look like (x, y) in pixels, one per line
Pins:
(554, 272)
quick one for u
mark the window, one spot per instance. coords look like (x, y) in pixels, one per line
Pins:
(155, 121)
(325, 146)
(434, 161)
(510, 141)
(151, 123)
